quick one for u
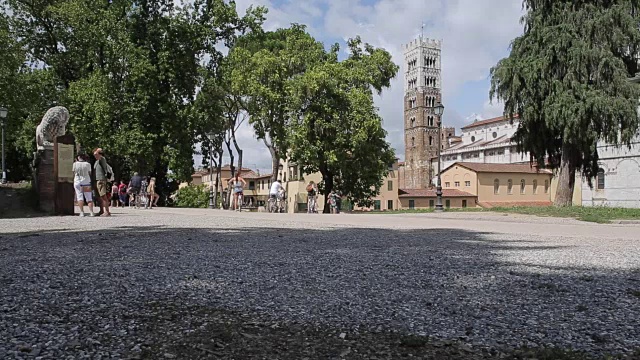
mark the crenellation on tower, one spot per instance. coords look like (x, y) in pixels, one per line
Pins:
(422, 69)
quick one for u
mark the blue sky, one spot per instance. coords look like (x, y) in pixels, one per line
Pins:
(475, 34)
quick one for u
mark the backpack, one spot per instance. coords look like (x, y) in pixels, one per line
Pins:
(109, 173)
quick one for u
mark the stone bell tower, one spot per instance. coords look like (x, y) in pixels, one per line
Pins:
(422, 90)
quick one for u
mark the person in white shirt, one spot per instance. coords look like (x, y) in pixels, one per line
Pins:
(276, 189)
(82, 183)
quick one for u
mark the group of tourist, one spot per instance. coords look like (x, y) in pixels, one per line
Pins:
(121, 194)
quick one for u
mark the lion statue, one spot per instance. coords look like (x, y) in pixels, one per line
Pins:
(52, 125)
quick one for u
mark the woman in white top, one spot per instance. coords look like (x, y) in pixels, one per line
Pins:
(82, 183)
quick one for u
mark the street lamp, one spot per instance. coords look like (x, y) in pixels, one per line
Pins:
(438, 110)
(3, 115)
(211, 137)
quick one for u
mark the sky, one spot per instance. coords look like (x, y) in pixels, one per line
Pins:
(475, 35)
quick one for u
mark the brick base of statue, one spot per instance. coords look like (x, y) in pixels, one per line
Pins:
(54, 177)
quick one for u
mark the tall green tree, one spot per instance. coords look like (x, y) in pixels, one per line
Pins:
(130, 71)
(567, 79)
(336, 128)
(264, 65)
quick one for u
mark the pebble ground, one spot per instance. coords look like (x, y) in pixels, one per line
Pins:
(184, 283)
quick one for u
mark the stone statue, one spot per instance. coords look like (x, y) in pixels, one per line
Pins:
(53, 124)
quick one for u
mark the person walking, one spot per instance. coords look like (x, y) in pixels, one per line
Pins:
(114, 194)
(122, 192)
(100, 168)
(135, 184)
(82, 183)
(153, 197)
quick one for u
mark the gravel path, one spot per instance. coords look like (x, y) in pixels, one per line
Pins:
(171, 283)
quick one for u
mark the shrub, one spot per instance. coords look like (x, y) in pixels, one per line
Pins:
(192, 196)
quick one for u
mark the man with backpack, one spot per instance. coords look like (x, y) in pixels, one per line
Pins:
(103, 173)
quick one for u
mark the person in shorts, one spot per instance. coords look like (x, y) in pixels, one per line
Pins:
(82, 183)
(122, 193)
(100, 168)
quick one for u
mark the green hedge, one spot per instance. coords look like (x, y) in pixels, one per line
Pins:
(192, 196)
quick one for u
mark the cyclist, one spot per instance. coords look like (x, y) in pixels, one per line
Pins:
(238, 189)
(312, 191)
(276, 191)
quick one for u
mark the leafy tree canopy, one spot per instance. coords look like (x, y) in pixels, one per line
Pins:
(336, 129)
(567, 79)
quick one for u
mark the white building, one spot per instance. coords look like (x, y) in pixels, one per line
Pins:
(484, 141)
(618, 180)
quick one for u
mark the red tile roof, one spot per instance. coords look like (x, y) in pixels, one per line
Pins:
(488, 121)
(525, 168)
(447, 193)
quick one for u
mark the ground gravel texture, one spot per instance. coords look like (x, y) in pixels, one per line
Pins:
(187, 284)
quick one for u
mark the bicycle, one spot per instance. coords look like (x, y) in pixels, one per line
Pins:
(239, 202)
(311, 205)
(276, 203)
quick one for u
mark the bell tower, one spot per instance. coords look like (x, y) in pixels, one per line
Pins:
(422, 87)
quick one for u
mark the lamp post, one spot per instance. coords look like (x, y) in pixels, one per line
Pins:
(3, 115)
(438, 110)
(211, 204)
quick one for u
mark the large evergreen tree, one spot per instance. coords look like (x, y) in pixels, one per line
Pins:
(567, 79)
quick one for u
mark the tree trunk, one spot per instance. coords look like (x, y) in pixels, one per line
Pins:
(275, 161)
(566, 178)
(235, 143)
(218, 172)
(328, 187)
(233, 171)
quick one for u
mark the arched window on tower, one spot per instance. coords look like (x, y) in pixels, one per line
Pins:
(430, 119)
(413, 122)
(413, 141)
(430, 140)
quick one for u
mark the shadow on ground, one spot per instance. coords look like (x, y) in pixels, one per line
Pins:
(289, 294)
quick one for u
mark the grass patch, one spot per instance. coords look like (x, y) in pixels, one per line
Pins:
(591, 214)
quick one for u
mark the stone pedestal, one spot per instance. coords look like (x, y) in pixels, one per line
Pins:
(46, 181)
(54, 177)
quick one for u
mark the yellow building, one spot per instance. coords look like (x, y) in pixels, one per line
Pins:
(295, 182)
(426, 198)
(500, 184)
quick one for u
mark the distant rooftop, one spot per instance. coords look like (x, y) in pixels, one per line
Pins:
(488, 121)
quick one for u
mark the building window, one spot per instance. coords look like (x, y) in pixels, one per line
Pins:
(509, 186)
(535, 187)
(430, 140)
(496, 187)
(464, 203)
(390, 185)
(546, 186)
(473, 138)
(467, 183)
(431, 203)
(495, 134)
(600, 179)
(456, 184)
(413, 122)
(447, 184)
(413, 141)
(522, 186)
(376, 205)
(430, 120)
(412, 204)
(447, 203)
(389, 204)
(252, 185)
